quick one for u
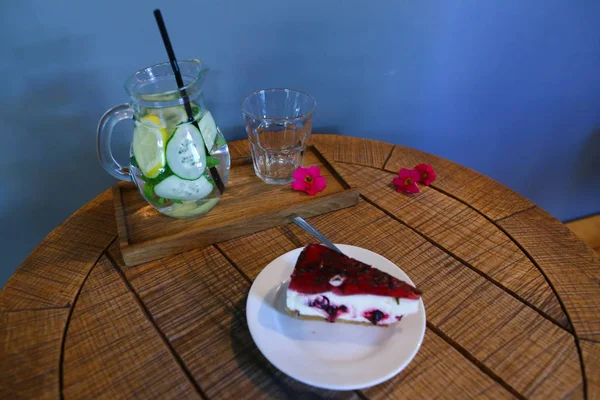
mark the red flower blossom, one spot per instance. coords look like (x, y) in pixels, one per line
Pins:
(406, 181)
(426, 172)
(309, 180)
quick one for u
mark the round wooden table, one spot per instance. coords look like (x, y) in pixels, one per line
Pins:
(512, 297)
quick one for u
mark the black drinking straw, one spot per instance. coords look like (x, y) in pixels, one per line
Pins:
(186, 101)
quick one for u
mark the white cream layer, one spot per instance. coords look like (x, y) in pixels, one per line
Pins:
(357, 305)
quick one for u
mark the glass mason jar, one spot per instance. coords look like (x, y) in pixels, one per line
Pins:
(179, 164)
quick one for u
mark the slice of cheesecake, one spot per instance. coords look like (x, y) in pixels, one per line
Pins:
(327, 285)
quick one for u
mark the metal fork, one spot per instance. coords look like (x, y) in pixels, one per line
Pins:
(298, 220)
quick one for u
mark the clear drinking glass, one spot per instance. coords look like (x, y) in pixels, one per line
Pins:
(279, 124)
(175, 161)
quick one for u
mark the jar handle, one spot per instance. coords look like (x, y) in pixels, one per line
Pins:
(105, 129)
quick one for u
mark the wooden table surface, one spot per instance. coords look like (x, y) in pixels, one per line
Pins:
(512, 297)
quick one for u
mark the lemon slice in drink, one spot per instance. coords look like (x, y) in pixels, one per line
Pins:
(174, 115)
(149, 141)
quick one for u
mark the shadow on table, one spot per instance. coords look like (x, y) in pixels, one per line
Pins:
(264, 376)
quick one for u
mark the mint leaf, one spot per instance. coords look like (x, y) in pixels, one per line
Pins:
(397, 301)
(220, 140)
(149, 191)
(166, 172)
(195, 110)
(176, 201)
(212, 161)
(209, 178)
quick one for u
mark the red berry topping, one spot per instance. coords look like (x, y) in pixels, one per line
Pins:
(320, 269)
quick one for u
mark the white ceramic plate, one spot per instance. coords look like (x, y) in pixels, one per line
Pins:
(329, 355)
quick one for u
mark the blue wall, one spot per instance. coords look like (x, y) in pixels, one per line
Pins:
(510, 88)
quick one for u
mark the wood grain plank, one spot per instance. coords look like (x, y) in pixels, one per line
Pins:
(112, 350)
(484, 194)
(239, 149)
(525, 350)
(30, 343)
(53, 273)
(588, 230)
(248, 205)
(439, 372)
(353, 150)
(591, 358)
(198, 300)
(569, 263)
(463, 232)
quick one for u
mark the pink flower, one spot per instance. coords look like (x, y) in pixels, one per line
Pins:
(309, 180)
(406, 181)
(426, 172)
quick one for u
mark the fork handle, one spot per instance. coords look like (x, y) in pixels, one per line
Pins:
(309, 228)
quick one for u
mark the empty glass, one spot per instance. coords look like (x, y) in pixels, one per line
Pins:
(279, 124)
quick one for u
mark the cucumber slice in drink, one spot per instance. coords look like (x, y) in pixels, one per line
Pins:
(176, 188)
(186, 155)
(208, 127)
(188, 210)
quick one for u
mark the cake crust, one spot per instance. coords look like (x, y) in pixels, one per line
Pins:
(297, 315)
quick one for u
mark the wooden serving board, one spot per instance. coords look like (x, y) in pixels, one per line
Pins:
(248, 205)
